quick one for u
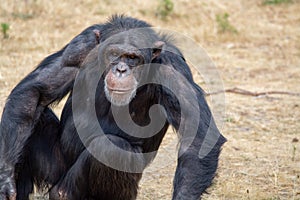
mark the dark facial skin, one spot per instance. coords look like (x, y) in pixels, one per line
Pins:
(120, 81)
(124, 65)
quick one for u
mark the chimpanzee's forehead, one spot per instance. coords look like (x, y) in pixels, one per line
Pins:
(138, 38)
(124, 48)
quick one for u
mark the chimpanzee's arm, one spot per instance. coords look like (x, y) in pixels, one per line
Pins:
(49, 82)
(200, 139)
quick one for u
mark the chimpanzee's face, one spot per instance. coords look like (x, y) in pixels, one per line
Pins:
(124, 57)
(123, 65)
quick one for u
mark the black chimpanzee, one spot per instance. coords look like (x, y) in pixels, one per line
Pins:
(127, 84)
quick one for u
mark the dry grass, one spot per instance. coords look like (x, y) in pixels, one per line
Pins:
(260, 159)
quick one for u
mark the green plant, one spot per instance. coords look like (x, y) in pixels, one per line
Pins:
(165, 8)
(5, 28)
(230, 120)
(272, 2)
(224, 24)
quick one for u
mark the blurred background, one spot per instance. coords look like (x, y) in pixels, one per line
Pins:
(255, 46)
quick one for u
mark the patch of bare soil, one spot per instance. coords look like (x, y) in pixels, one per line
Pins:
(261, 159)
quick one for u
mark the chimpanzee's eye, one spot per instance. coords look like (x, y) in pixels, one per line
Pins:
(114, 54)
(132, 56)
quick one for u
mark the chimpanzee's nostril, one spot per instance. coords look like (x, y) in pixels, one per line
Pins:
(121, 68)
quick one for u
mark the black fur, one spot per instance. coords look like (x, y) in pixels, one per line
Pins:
(38, 148)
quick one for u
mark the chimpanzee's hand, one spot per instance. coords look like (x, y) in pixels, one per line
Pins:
(80, 46)
(7, 184)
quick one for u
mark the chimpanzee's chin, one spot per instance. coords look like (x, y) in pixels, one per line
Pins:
(119, 98)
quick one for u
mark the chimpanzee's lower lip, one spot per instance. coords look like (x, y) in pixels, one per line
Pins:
(120, 91)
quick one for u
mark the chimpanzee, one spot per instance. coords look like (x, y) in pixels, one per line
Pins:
(126, 85)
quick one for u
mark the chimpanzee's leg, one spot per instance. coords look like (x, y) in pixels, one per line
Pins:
(88, 178)
(42, 161)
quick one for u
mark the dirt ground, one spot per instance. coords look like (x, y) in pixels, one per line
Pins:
(261, 159)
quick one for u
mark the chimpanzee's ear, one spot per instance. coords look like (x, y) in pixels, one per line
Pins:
(158, 45)
(97, 35)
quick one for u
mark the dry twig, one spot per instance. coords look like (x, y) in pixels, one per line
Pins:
(249, 93)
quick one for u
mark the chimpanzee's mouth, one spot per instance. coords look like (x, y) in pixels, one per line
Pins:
(119, 96)
(119, 91)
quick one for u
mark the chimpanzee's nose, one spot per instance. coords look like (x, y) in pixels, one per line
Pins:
(121, 69)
